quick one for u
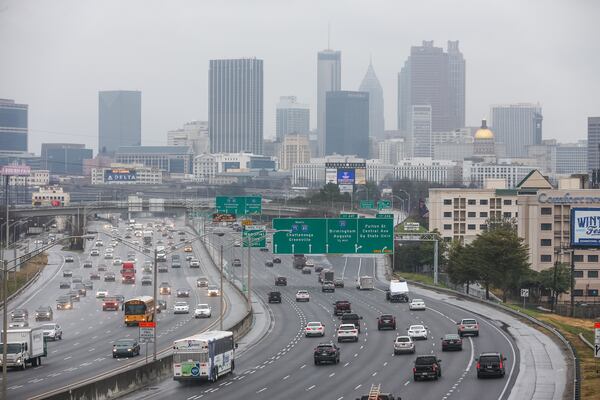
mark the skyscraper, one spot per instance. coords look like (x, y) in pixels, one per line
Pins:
(13, 126)
(517, 126)
(347, 123)
(371, 85)
(593, 143)
(329, 79)
(420, 128)
(235, 105)
(292, 117)
(119, 119)
(432, 77)
(65, 158)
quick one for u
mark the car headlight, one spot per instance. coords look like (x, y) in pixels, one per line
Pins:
(114, 349)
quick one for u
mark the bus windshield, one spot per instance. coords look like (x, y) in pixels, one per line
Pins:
(135, 309)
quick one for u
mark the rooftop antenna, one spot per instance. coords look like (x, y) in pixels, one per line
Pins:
(328, 35)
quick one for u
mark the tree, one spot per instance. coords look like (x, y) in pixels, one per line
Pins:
(557, 280)
(462, 267)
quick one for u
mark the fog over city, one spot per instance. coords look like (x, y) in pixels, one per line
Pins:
(57, 55)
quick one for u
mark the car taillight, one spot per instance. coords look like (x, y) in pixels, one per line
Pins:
(462, 327)
(355, 331)
(500, 363)
(478, 365)
(414, 370)
(434, 367)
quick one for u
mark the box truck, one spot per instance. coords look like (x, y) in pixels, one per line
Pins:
(25, 346)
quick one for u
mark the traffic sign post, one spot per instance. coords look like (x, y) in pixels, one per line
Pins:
(382, 215)
(384, 204)
(348, 215)
(146, 334)
(597, 340)
(367, 204)
(333, 236)
(524, 295)
(239, 205)
(254, 236)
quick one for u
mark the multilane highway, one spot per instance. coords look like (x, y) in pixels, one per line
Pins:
(88, 332)
(281, 364)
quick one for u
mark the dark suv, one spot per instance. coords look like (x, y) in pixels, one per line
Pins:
(281, 281)
(490, 364)
(341, 307)
(351, 318)
(327, 352)
(43, 313)
(386, 321)
(274, 297)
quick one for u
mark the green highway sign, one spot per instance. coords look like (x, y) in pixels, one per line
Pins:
(380, 215)
(347, 215)
(254, 236)
(239, 205)
(367, 204)
(333, 235)
(383, 204)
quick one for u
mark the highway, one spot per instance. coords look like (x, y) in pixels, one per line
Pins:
(281, 364)
(89, 332)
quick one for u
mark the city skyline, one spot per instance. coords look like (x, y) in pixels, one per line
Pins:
(542, 66)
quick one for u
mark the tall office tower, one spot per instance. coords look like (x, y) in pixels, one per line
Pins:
(13, 126)
(435, 78)
(119, 119)
(371, 85)
(65, 158)
(329, 79)
(292, 117)
(593, 143)
(517, 126)
(421, 122)
(347, 123)
(235, 105)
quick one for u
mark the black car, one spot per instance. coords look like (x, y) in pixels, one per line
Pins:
(146, 281)
(281, 281)
(318, 268)
(386, 321)
(67, 273)
(274, 297)
(451, 341)
(490, 364)
(161, 305)
(89, 285)
(265, 249)
(88, 264)
(427, 367)
(306, 270)
(44, 313)
(75, 296)
(277, 260)
(64, 303)
(269, 263)
(327, 352)
(94, 276)
(80, 287)
(102, 267)
(109, 277)
(69, 259)
(183, 293)
(126, 347)
(65, 285)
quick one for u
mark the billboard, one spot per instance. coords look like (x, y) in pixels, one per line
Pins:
(331, 176)
(585, 227)
(346, 173)
(345, 176)
(15, 170)
(346, 188)
(120, 175)
(360, 176)
(223, 217)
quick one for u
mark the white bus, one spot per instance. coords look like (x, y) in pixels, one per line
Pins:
(205, 356)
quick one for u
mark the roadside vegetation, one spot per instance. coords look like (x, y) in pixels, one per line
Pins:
(16, 280)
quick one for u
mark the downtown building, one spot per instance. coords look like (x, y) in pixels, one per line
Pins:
(208, 167)
(291, 117)
(119, 120)
(593, 142)
(171, 159)
(13, 126)
(371, 85)
(143, 175)
(517, 126)
(194, 135)
(65, 158)
(235, 105)
(347, 123)
(329, 79)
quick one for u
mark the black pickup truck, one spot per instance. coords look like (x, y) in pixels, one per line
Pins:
(427, 367)
(351, 318)
(341, 307)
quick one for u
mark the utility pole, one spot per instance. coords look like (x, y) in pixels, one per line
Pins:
(572, 311)
(5, 292)
(249, 271)
(155, 274)
(221, 301)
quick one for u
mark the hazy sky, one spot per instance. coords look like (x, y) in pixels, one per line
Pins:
(55, 55)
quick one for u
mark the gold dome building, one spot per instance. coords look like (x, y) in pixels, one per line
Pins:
(484, 144)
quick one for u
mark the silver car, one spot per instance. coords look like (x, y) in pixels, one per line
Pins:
(404, 344)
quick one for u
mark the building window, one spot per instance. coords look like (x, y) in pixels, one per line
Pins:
(592, 274)
(448, 226)
(546, 258)
(471, 214)
(483, 214)
(472, 202)
(546, 242)
(447, 202)
(483, 202)
(447, 214)
(578, 274)
(592, 258)
(471, 227)
(578, 292)
(546, 211)
(507, 215)
(483, 227)
(507, 202)
(578, 257)
(546, 227)
(592, 292)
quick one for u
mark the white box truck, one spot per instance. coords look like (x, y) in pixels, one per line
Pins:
(365, 282)
(25, 346)
(398, 292)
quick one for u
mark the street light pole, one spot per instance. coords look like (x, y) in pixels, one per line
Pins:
(5, 293)
(155, 274)
(221, 301)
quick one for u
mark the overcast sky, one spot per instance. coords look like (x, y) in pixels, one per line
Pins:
(56, 55)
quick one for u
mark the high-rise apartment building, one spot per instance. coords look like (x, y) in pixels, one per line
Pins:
(329, 79)
(347, 123)
(593, 143)
(235, 105)
(421, 121)
(436, 78)
(13, 126)
(194, 135)
(371, 85)
(294, 149)
(119, 120)
(292, 117)
(517, 126)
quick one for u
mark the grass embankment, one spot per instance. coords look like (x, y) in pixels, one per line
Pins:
(421, 278)
(16, 280)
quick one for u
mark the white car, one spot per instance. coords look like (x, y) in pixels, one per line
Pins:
(213, 290)
(108, 256)
(417, 332)
(314, 329)
(109, 249)
(99, 243)
(117, 261)
(417, 304)
(347, 332)
(181, 307)
(302, 295)
(202, 311)
(94, 252)
(102, 293)
(403, 344)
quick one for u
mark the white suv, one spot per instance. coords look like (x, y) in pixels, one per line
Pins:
(417, 304)
(468, 326)
(347, 332)
(404, 344)
(181, 307)
(302, 295)
(202, 311)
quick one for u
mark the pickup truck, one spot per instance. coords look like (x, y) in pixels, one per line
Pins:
(427, 367)
(341, 307)
(25, 346)
(351, 318)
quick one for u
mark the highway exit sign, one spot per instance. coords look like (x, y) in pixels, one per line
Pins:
(367, 204)
(239, 205)
(333, 235)
(348, 215)
(384, 204)
(254, 236)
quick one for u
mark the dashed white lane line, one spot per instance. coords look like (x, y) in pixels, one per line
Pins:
(285, 377)
(406, 383)
(358, 387)
(261, 390)
(310, 388)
